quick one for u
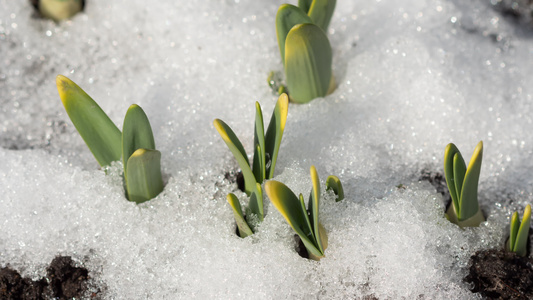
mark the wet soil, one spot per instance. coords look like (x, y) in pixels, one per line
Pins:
(498, 274)
(63, 280)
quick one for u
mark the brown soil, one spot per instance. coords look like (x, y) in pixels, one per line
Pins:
(63, 281)
(498, 274)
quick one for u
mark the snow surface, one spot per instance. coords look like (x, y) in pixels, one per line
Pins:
(412, 75)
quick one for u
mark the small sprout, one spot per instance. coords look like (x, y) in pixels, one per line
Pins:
(462, 183)
(333, 183)
(143, 175)
(142, 162)
(305, 222)
(59, 10)
(97, 130)
(517, 242)
(305, 50)
(266, 149)
(320, 11)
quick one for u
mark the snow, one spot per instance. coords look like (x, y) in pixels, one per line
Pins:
(412, 76)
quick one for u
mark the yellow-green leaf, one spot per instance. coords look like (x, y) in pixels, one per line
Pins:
(514, 226)
(144, 180)
(235, 146)
(468, 201)
(258, 166)
(308, 61)
(290, 208)
(305, 5)
(449, 158)
(314, 207)
(274, 133)
(98, 131)
(242, 226)
(287, 17)
(520, 246)
(321, 12)
(333, 183)
(136, 133)
(256, 202)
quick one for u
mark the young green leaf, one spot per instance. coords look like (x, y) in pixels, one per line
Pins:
(256, 202)
(321, 12)
(136, 134)
(308, 61)
(237, 149)
(514, 226)
(258, 166)
(314, 205)
(305, 5)
(449, 161)
(143, 178)
(520, 232)
(469, 204)
(333, 183)
(242, 226)
(274, 133)
(290, 208)
(287, 17)
(98, 131)
(463, 183)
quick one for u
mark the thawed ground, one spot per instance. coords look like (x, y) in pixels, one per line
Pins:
(412, 76)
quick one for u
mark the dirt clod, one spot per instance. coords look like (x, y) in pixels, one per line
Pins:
(498, 274)
(63, 281)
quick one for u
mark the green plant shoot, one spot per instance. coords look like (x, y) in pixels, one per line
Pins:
(266, 149)
(97, 130)
(333, 183)
(463, 184)
(143, 175)
(320, 11)
(519, 232)
(305, 51)
(266, 146)
(59, 10)
(142, 163)
(305, 222)
(247, 226)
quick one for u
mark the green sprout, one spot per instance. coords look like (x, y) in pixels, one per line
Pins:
(517, 242)
(305, 49)
(266, 149)
(463, 183)
(59, 10)
(305, 222)
(136, 146)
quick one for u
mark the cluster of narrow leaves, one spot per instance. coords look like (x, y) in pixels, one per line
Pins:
(305, 222)
(305, 49)
(266, 149)
(463, 184)
(135, 145)
(519, 232)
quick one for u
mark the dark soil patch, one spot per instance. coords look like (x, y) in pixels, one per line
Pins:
(498, 274)
(63, 281)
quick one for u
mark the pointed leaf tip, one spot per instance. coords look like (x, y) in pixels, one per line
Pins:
(97, 130)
